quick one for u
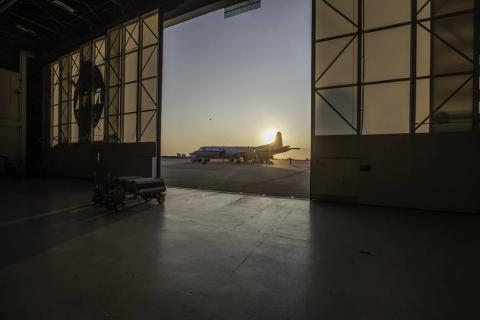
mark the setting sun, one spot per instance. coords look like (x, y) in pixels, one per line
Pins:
(268, 135)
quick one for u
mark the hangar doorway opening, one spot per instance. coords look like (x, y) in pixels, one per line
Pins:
(236, 99)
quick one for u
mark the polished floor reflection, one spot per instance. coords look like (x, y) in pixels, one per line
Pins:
(207, 255)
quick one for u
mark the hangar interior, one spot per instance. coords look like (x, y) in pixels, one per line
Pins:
(403, 78)
(389, 231)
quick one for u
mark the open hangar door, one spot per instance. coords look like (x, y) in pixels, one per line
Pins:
(121, 73)
(236, 100)
(395, 103)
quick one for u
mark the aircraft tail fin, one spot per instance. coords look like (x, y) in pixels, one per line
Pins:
(278, 140)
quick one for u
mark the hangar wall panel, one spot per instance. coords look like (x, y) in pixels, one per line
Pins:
(122, 93)
(395, 103)
(87, 161)
(10, 117)
(438, 172)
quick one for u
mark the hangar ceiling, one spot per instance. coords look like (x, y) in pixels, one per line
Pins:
(49, 27)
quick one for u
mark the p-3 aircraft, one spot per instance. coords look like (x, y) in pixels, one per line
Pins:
(262, 154)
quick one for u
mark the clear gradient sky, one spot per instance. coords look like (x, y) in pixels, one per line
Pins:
(227, 81)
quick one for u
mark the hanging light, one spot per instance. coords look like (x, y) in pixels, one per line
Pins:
(63, 6)
(25, 29)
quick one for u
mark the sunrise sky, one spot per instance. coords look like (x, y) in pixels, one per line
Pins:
(234, 81)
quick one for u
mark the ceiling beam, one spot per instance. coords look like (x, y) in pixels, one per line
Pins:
(7, 4)
(35, 23)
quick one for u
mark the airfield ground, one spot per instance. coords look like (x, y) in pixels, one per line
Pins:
(278, 179)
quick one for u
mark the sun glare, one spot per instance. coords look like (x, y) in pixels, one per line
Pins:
(268, 135)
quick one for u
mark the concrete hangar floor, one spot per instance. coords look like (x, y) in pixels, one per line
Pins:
(214, 255)
(278, 179)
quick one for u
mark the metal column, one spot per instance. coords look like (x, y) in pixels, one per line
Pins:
(413, 65)
(312, 89)
(359, 66)
(158, 138)
(138, 131)
(476, 73)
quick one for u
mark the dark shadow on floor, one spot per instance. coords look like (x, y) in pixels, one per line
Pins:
(23, 240)
(384, 261)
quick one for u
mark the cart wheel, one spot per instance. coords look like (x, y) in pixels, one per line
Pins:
(119, 206)
(161, 199)
(147, 199)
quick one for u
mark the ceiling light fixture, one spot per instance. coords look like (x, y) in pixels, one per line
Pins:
(26, 30)
(63, 6)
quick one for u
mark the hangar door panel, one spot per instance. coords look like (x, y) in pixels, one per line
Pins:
(335, 179)
(388, 67)
(10, 115)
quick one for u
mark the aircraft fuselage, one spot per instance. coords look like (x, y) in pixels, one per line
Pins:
(261, 153)
(246, 153)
